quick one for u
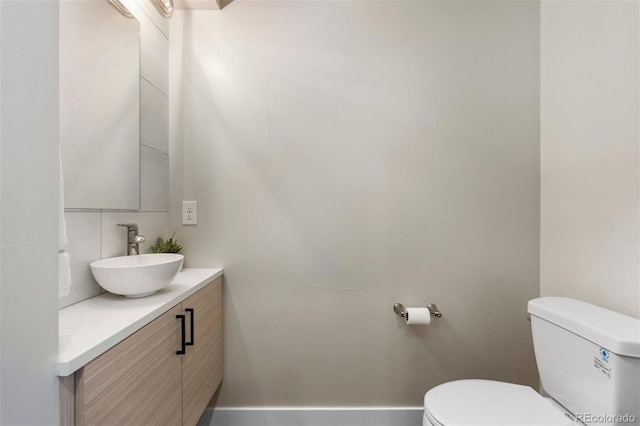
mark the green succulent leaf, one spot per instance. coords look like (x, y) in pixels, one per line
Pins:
(166, 246)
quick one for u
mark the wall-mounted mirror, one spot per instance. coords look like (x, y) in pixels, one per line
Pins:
(99, 106)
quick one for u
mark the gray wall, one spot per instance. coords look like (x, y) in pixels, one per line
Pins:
(349, 155)
(590, 233)
(29, 213)
(94, 234)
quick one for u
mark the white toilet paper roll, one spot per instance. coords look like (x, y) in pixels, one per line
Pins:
(417, 316)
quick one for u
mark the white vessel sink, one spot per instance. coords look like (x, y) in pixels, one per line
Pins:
(137, 276)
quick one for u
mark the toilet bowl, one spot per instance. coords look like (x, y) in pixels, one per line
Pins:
(490, 403)
(589, 363)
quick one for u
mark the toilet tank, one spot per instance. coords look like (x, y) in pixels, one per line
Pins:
(588, 358)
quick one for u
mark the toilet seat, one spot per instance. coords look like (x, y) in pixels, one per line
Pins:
(490, 403)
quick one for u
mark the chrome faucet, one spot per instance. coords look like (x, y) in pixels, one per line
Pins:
(133, 239)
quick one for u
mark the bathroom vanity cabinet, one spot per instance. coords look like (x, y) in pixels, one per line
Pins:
(202, 362)
(163, 374)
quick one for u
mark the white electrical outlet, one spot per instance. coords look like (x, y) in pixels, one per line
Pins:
(189, 212)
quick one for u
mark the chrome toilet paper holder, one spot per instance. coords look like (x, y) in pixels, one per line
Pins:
(399, 309)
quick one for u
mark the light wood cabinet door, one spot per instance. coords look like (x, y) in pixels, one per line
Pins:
(202, 364)
(137, 382)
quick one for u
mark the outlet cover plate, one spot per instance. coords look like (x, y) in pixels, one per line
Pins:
(189, 212)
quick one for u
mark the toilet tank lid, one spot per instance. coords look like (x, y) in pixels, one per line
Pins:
(613, 331)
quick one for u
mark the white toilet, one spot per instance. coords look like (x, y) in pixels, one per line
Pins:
(589, 363)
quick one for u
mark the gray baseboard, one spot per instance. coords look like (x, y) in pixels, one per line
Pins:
(313, 416)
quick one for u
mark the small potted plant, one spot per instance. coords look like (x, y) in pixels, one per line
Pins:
(166, 246)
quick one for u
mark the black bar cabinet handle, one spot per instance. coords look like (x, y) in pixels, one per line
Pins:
(190, 310)
(184, 344)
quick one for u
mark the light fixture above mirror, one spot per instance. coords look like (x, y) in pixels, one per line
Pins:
(164, 7)
(122, 10)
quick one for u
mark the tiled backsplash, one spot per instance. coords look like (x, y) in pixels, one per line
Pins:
(84, 231)
(154, 180)
(151, 225)
(94, 234)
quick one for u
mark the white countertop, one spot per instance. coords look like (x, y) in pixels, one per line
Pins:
(91, 327)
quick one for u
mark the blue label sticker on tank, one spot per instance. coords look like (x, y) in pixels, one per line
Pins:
(601, 363)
